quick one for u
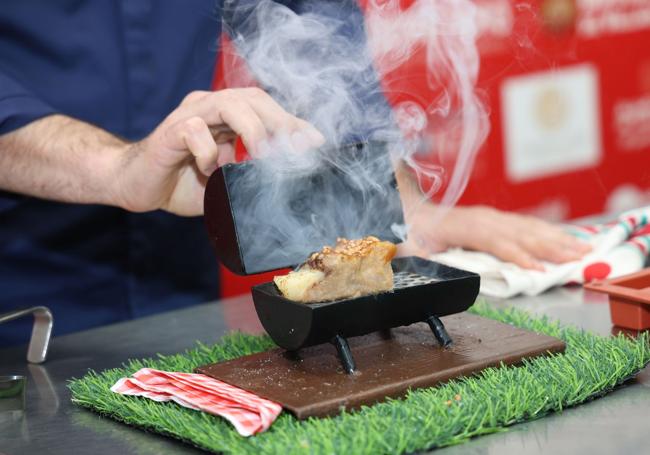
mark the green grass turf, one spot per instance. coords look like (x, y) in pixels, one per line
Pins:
(425, 418)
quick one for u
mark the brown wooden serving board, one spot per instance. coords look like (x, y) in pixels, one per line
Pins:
(312, 382)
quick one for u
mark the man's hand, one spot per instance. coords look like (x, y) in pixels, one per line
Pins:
(169, 169)
(65, 159)
(523, 240)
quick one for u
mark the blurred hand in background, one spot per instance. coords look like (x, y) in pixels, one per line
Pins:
(523, 240)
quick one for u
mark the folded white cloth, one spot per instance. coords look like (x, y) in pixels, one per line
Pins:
(619, 248)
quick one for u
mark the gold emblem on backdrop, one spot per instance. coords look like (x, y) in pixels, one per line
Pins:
(551, 108)
(559, 15)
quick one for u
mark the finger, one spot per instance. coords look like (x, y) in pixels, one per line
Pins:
(553, 245)
(307, 138)
(187, 198)
(509, 251)
(572, 247)
(543, 247)
(543, 240)
(246, 123)
(199, 141)
(576, 244)
(194, 96)
(277, 120)
(274, 117)
(226, 153)
(559, 235)
(226, 108)
(234, 107)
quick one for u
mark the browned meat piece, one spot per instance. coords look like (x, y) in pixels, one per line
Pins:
(351, 269)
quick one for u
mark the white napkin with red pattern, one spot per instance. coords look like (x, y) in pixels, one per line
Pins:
(247, 412)
(618, 248)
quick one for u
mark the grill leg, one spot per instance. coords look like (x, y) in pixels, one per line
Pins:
(344, 354)
(439, 331)
(292, 355)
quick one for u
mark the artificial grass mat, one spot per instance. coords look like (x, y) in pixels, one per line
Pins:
(426, 418)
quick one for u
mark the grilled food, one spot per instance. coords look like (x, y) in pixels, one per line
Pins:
(351, 269)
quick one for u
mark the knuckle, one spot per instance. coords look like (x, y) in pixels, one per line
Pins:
(247, 133)
(539, 249)
(510, 250)
(194, 124)
(256, 92)
(227, 94)
(530, 240)
(296, 124)
(193, 96)
(494, 245)
(259, 132)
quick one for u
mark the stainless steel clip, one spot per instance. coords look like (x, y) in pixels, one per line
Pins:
(40, 340)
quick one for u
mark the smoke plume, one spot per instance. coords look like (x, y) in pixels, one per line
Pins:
(325, 62)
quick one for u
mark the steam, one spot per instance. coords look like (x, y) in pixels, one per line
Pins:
(322, 64)
(447, 31)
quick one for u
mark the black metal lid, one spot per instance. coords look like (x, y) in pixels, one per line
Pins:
(260, 218)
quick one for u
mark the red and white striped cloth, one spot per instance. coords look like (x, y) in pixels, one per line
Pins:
(248, 413)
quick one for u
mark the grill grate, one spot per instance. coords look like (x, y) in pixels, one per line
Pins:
(409, 279)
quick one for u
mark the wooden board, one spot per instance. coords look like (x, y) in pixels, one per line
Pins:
(312, 382)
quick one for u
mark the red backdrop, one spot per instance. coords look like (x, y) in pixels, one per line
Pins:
(568, 89)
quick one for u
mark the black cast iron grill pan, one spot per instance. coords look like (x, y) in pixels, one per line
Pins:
(424, 291)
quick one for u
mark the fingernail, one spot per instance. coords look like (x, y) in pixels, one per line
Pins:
(300, 141)
(315, 136)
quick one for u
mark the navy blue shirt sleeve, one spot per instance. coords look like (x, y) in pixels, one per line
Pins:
(18, 106)
(122, 65)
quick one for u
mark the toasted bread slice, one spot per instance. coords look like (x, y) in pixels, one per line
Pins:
(351, 269)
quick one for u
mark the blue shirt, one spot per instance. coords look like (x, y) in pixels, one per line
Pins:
(121, 65)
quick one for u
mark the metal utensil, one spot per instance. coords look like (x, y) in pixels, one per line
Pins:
(41, 332)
